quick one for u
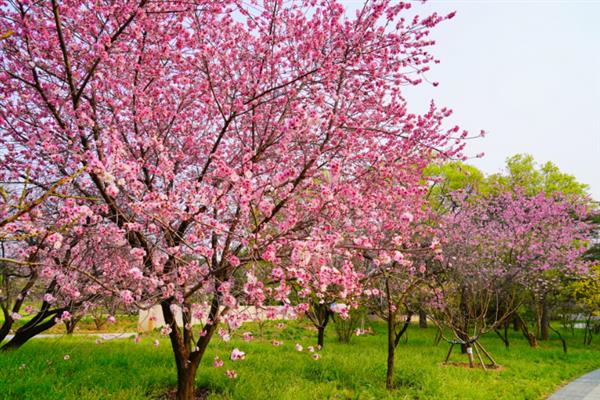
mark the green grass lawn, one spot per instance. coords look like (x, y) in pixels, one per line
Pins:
(122, 369)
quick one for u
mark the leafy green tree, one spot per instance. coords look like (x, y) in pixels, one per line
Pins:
(451, 176)
(524, 172)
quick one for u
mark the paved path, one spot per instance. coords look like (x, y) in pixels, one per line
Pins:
(105, 336)
(585, 388)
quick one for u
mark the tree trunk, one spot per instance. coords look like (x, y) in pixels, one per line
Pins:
(587, 333)
(23, 334)
(464, 338)
(470, 356)
(422, 319)
(465, 321)
(5, 328)
(71, 324)
(531, 338)
(503, 337)
(545, 320)
(321, 336)
(186, 382)
(516, 326)
(389, 382)
(188, 354)
(322, 314)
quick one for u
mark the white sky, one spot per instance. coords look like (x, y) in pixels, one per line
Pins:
(527, 72)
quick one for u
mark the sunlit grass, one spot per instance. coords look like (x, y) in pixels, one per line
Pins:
(123, 369)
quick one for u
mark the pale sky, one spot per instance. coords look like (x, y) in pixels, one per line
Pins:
(527, 72)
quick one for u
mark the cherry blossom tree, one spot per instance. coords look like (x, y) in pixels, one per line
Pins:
(216, 139)
(496, 247)
(397, 268)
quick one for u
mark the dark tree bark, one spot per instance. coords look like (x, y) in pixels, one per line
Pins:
(8, 321)
(394, 336)
(71, 324)
(562, 340)
(503, 337)
(188, 354)
(422, 319)
(389, 381)
(22, 336)
(516, 323)
(41, 322)
(587, 333)
(6, 325)
(545, 320)
(530, 336)
(319, 315)
(321, 336)
(465, 328)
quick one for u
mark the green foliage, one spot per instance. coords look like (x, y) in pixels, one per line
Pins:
(122, 369)
(453, 176)
(587, 291)
(523, 171)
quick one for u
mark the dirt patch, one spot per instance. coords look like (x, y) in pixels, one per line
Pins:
(201, 394)
(464, 364)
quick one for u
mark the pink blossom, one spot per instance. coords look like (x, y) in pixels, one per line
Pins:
(165, 330)
(231, 374)
(65, 316)
(224, 335)
(49, 298)
(15, 316)
(236, 354)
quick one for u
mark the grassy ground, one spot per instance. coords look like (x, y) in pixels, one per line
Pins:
(122, 369)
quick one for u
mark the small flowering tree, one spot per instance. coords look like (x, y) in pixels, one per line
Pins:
(393, 278)
(206, 133)
(325, 285)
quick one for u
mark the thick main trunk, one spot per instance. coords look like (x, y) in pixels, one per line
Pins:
(389, 382)
(321, 336)
(188, 356)
(186, 382)
(320, 319)
(422, 319)
(463, 346)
